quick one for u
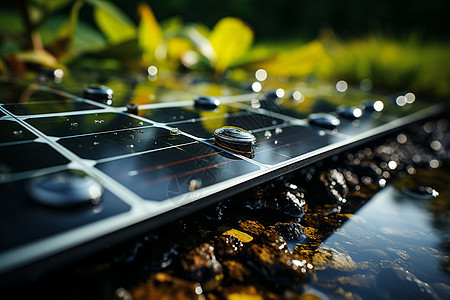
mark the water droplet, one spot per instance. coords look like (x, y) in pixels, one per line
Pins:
(175, 131)
(436, 145)
(280, 93)
(235, 139)
(73, 125)
(401, 138)
(256, 86)
(298, 96)
(152, 70)
(98, 121)
(410, 98)
(401, 101)
(17, 132)
(392, 165)
(255, 103)
(141, 123)
(341, 86)
(434, 163)
(278, 131)
(195, 184)
(267, 134)
(96, 143)
(261, 75)
(130, 147)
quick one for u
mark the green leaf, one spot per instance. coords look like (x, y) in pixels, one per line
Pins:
(230, 38)
(198, 35)
(114, 24)
(10, 22)
(149, 32)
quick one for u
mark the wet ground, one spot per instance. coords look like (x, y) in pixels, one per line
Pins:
(371, 223)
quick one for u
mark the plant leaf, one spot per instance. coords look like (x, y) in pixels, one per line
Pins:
(114, 24)
(230, 38)
(149, 32)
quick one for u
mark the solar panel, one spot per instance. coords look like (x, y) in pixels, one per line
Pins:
(161, 163)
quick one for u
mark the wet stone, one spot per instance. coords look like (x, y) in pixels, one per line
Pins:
(270, 258)
(200, 264)
(290, 231)
(227, 246)
(237, 271)
(164, 286)
(246, 292)
(330, 186)
(252, 227)
(279, 196)
(326, 257)
(324, 120)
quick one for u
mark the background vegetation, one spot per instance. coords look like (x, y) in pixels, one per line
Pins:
(394, 44)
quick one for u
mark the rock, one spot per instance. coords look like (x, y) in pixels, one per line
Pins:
(269, 256)
(326, 257)
(252, 227)
(228, 246)
(200, 264)
(164, 286)
(277, 196)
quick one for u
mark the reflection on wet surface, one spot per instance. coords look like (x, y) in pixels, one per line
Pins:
(161, 177)
(63, 126)
(371, 223)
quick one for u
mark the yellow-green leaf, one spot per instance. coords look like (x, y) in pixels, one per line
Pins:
(149, 32)
(114, 24)
(230, 38)
(296, 62)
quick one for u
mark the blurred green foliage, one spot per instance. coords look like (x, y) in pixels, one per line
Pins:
(55, 34)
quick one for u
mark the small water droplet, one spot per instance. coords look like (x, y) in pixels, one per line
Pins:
(195, 184)
(17, 132)
(267, 134)
(73, 125)
(130, 147)
(98, 121)
(96, 143)
(141, 123)
(175, 131)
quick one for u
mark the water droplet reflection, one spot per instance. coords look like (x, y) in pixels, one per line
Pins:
(341, 86)
(175, 131)
(401, 100)
(152, 71)
(256, 86)
(261, 75)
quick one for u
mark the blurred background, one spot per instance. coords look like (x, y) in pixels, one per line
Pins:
(305, 19)
(395, 44)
